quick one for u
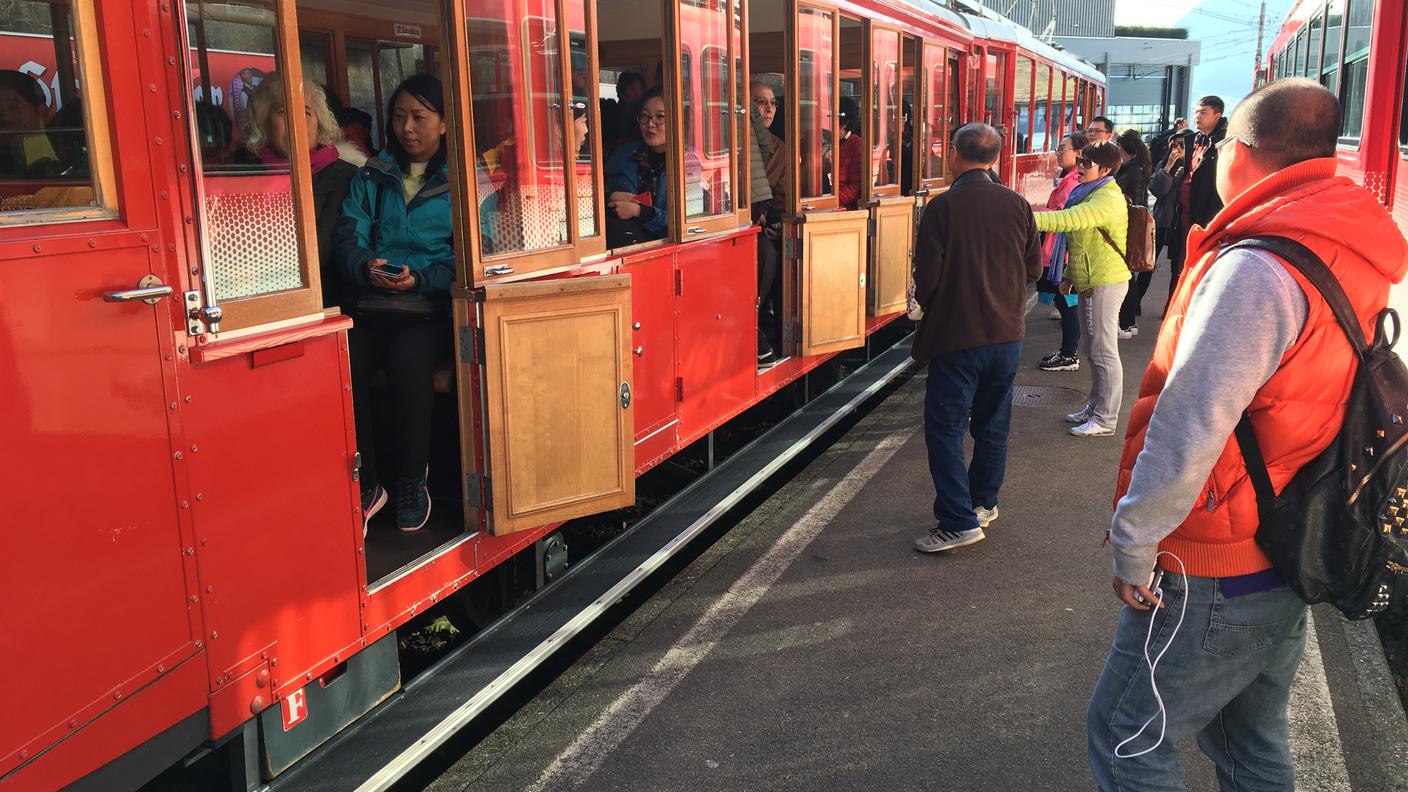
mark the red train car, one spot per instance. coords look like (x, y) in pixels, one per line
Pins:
(1358, 49)
(187, 569)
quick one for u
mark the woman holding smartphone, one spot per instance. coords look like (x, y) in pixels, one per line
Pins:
(395, 250)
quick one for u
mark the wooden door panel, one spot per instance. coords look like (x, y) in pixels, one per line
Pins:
(557, 360)
(892, 252)
(834, 251)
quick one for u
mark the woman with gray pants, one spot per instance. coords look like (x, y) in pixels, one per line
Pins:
(1094, 226)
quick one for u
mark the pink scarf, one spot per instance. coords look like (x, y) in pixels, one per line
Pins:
(318, 158)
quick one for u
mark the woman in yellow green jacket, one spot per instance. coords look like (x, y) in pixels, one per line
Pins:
(1093, 228)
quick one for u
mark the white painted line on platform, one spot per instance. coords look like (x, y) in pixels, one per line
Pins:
(1316, 750)
(586, 754)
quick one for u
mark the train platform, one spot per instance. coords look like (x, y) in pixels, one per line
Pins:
(812, 648)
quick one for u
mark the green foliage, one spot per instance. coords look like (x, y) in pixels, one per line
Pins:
(1149, 32)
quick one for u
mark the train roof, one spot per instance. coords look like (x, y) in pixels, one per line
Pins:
(988, 24)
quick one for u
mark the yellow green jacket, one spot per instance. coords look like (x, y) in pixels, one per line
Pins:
(1090, 260)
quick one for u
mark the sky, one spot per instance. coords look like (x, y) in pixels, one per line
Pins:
(1227, 29)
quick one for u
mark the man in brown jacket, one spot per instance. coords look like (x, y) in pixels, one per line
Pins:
(976, 250)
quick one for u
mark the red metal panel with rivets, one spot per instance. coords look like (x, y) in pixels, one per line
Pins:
(97, 584)
(653, 355)
(277, 519)
(717, 324)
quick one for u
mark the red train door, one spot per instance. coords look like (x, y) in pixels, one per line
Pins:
(94, 569)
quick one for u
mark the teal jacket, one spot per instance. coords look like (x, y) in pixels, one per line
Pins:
(419, 235)
(1090, 260)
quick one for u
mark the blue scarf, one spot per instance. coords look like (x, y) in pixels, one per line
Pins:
(1056, 265)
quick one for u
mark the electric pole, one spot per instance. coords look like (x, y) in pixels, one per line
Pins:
(1260, 29)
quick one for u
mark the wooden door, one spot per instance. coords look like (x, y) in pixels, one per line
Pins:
(557, 379)
(891, 251)
(832, 279)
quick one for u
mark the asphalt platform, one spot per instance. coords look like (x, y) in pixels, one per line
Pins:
(811, 648)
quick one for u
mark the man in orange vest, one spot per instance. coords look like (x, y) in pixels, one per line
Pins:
(1244, 331)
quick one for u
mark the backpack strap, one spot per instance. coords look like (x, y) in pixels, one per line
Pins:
(1110, 240)
(1308, 264)
(1256, 467)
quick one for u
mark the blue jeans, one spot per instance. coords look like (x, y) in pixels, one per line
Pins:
(968, 390)
(1226, 678)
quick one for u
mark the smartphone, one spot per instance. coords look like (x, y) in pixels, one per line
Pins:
(1155, 582)
(390, 270)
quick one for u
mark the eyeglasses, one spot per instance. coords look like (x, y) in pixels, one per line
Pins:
(1096, 130)
(765, 103)
(1085, 162)
(1231, 138)
(646, 119)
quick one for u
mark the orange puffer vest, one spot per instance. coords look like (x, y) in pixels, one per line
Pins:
(1299, 410)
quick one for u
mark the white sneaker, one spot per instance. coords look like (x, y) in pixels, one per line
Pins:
(1127, 333)
(985, 515)
(1079, 417)
(938, 540)
(1091, 429)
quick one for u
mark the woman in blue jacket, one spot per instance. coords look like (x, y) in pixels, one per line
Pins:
(637, 194)
(395, 250)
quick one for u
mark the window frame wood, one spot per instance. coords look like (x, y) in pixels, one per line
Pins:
(743, 101)
(943, 52)
(241, 314)
(102, 177)
(870, 71)
(536, 262)
(683, 229)
(797, 203)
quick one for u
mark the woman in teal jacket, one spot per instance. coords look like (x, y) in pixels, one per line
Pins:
(1093, 227)
(395, 248)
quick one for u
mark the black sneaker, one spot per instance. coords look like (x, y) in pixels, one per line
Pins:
(1059, 362)
(764, 348)
(372, 501)
(412, 503)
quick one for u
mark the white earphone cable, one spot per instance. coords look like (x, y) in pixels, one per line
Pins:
(1162, 714)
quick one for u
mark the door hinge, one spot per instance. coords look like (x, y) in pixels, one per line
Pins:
(477, 490)
(870, 227)
(791, 249)
(790, 332)
(679, 389)
(471, 344)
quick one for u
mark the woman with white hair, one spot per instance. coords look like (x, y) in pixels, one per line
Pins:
(334, 161)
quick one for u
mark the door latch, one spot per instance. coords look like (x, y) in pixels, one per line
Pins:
(201, 318)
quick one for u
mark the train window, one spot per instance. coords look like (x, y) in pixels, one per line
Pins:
(935, 111)
(1070, 123)
(362, 91)
(1041, 118)
(520, 144)
(1312, 58)
(741, 99)
(1022, 103)
(706, 124)
(1334, 31)
(848, 148)
(250, 201)
(53, 122)
(909, 76)
(313, 49)
(584, 133)
(1356, 67)
(885, 110)
(1302, 43)
(815, 103)
(992, 96)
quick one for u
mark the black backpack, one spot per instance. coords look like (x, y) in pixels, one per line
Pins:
(1338, 532)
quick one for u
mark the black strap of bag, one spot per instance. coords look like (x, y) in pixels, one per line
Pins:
(1308, 264)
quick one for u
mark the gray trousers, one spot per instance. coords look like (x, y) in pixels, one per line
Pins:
(1099, 345)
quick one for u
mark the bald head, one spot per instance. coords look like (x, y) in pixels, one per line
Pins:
(1287, 122)
(977, 144)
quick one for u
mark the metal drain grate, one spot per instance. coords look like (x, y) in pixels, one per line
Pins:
(1045, 396)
